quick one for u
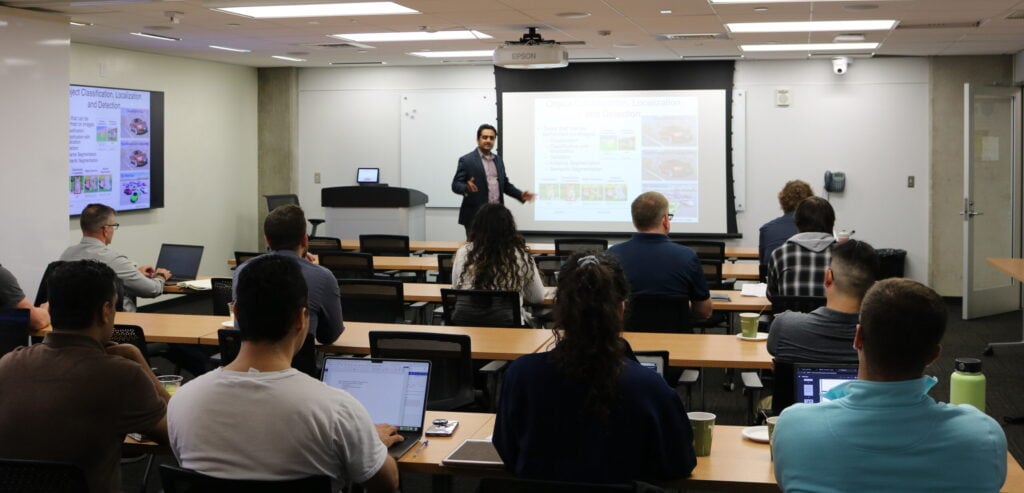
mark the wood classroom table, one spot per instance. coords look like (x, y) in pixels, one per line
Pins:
(736, 252)
(167, 327)
(744, 270)
(704, 350)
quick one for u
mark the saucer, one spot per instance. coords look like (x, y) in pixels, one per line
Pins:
(761, 336)
(757, 434)
(229, 324)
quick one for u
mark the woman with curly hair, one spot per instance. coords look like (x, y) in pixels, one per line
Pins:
(586, 411)
(496, 259)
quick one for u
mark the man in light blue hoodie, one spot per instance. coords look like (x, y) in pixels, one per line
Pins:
(797, 268)
(882, 432)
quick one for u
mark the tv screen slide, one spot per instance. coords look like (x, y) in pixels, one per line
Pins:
(115, 152)
(587, 155)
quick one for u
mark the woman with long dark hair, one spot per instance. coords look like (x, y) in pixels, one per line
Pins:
(496, 258)
(586, 411)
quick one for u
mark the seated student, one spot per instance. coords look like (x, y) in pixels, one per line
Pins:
(825, 335)
(496, 259)
(75, 396)
(797, 268)
(259, 418)
(883, 432)
(584, 411)
(11, 296)
(775, 232)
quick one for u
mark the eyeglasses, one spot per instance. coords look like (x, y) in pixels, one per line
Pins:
(114, 225)
(670, 216)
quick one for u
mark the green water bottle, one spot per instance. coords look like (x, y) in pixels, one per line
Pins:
(967, 385)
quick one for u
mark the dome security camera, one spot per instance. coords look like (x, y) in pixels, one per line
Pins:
(840, 65)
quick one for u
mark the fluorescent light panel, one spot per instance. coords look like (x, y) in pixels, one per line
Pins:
(227, 48)
(810, 26)
(288, 58)
(810, 47)
(784, 1)
(319, 10)
(411, 36)
(156, 36)
(452, 54)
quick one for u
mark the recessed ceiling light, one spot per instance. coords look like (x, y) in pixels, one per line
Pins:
(848, 37)
(760, 9)
(625, 45)
(452, 54)
(810, 47)
(319, 10)
(80, 24)
(666, 11)
(861, 6)
(156, 36)
(287, 58)
(573, 15)
(411, 36)
(228, 48)
(810, 26)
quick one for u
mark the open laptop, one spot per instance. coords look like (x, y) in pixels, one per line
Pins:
(393, 391)
(812, 380)
(181, 260)
(368, 176)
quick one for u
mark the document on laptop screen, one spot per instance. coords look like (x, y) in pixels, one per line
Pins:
(392, 392)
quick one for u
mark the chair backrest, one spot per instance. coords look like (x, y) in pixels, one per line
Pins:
(42, 295)
(712, 273)
(658, 358)
(658, 313)
(782, 386)
(445, 262)
(242, 257)
(347, 265)
(13, 329)
(275, 201)
(220, 295)
(451, 363)
(131, 334)
(391, 245)
(319, 244)
(515, 485)
(371, 300)
(805, 304)
(548, 266)
(178, 480)
(569, 246)
(34, 475)
(705, 249)
(230, 342)
(479, 308)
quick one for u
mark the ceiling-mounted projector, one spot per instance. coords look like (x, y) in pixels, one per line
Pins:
(531, 52)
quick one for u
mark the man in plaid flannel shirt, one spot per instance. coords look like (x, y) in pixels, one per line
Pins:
(797, 268)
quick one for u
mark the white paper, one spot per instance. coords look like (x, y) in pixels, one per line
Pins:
(758, 289)
(198, 284)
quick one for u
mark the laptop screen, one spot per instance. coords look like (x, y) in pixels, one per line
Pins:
(181, 260)
(811, 381)
(392, 391)
(368, 175)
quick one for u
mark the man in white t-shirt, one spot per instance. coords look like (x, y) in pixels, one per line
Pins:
(258, 418)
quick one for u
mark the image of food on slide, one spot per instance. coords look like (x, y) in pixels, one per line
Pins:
(548, 191)
(106, 133)
(609, 142)
(89, 184)
(133, 191)
(669, 131)
(593, 192)
(134, 122)
(669, 165)
(75, 184)
(627, 143)
(104, 183)
(570, 192)
(615, 192)
(134, 157)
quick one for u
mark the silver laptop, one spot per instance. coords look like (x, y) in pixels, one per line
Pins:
(393, 391)
(812, 380)
(181, 260)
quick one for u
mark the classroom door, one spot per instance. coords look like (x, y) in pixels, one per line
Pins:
(991, 203)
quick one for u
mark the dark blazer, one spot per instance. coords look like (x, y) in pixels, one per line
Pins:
(472, 166)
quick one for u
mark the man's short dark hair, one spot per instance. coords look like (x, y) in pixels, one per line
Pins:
(855, 267)
(814, 215)
(284, 227)
(901, 323)
(270, 294)
(648, 209)
(77, 291)
(486, 126)
(94, 217)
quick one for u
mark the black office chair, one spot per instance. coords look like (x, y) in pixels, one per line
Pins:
(515, 485)
(391, 246)
(347, 265)
(275, 201)
(131, 334)
(445, 263)
(243, 257)
(24, 476)
(220, 295)
(705, 250)
(665, 313)
(372, 300)
(179, 480)
(451, 363)
(804, 304)
(479, 308)
(548, 266)
(42, 293)
(13, 329)
(318, 244)
(230, 342)
(567, 246)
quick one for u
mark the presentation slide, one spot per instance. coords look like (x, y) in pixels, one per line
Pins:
(587, 155)
(110, 150)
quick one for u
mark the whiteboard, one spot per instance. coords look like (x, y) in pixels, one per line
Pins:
(437, 128)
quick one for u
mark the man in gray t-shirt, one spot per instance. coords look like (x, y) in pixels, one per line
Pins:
(826, 334)
(11, 296)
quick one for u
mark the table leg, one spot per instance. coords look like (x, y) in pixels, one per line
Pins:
(990, 349)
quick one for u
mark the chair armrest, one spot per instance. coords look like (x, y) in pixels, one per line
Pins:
(689, 376)
(494, 366)
(418, 253)
(751, 380)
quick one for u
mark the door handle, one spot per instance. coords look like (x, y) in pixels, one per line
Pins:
(968, 209)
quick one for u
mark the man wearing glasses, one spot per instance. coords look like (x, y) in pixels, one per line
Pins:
(98, 224)
(655, 265)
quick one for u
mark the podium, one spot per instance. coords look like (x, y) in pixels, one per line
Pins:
(352, 211)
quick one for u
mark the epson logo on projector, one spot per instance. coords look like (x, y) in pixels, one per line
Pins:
(524, 56)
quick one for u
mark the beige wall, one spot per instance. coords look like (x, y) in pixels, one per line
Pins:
(278, 142)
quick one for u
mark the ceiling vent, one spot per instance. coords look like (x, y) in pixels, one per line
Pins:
(692, 36)
(339, 46)
(939, 25)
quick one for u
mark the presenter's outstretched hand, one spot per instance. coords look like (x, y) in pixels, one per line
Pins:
(528, 196)
(471, 185)
(389, 434)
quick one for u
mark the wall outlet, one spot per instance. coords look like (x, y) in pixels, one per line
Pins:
(910, 181)
(316, 177)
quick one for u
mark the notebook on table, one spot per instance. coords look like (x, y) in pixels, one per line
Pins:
(393, 391)
(181, 260)
(812, 380)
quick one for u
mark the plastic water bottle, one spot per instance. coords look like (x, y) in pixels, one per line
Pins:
(967, 384)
